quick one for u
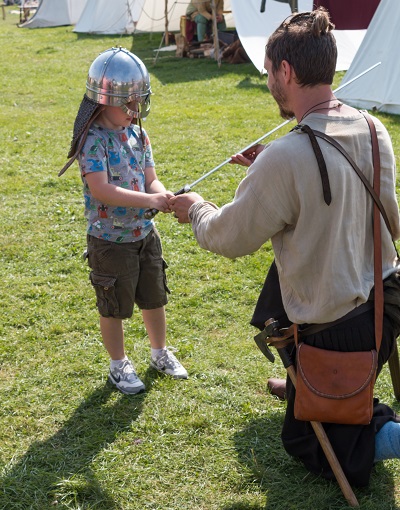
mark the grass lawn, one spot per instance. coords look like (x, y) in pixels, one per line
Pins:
(68, 440)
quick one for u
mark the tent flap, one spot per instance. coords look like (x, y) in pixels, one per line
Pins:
(378, 89)
(55, 14)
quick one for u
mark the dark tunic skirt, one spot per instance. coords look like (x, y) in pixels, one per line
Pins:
(354, 445)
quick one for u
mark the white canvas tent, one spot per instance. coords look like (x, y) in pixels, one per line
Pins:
(53, 14)
(380, 88)
(105, 17)
(255, 27)
(128, 16)
(152, 18)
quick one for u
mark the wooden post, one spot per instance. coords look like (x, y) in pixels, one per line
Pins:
(166, 23)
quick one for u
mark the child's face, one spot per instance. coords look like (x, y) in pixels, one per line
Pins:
(113, 117)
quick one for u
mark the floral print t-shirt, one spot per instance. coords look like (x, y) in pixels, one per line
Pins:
(122, 155)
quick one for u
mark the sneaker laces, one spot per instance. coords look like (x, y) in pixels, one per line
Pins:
(128, 369)
(169, 360)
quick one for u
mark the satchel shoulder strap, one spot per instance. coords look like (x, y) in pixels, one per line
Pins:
(378, 282)
(378, 208)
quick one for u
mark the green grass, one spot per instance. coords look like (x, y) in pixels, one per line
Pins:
(68, 441)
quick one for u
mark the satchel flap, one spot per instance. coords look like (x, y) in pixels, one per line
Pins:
(333, 374)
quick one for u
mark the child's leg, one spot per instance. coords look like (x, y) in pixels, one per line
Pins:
(112, 332)
(151, 297)
(155, 324)
(122, 372)
(162, 359)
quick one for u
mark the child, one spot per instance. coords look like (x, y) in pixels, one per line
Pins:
(120, 184)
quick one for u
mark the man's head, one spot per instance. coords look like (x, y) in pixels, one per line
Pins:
(306, 42)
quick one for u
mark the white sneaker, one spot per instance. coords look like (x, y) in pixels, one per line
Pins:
(167, 363)
(124, 377)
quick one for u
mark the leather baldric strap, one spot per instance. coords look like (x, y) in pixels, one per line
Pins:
(378, 282)
(326, 188)
(378, 207)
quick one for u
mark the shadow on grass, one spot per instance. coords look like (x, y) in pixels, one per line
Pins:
(58, 471)
(177, 70)
(286, 483)
(170, 69)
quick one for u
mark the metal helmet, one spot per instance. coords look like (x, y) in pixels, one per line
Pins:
(117, 77)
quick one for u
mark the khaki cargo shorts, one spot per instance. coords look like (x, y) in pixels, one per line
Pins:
(127, 273)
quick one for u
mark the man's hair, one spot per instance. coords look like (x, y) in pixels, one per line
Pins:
(305, 40)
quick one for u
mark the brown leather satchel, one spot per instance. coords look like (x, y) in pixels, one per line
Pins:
(337, 387)
(334, 387)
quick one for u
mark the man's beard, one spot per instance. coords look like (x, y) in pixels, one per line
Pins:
(279, 96)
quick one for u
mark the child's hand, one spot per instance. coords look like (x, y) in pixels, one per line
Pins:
(160, 201)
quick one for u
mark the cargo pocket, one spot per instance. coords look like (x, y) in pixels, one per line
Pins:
(104, 286)
(164, 267)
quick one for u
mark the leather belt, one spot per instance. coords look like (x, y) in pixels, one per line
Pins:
(316, 328)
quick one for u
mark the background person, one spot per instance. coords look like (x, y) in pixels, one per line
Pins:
(119, 185)
(324, 253)
(200, 12)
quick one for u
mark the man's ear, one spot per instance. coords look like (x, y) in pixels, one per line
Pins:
(287, 71)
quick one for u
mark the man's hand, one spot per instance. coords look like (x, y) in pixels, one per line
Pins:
(180, 204)
(246, 158)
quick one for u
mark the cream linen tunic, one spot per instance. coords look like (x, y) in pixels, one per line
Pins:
(324, 254)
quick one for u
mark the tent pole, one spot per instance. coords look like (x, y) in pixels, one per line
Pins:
(215, 33)
(158, 51)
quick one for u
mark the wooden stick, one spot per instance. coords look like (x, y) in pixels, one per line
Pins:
(327, 447)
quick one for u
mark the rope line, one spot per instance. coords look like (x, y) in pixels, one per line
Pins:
(169, 11)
